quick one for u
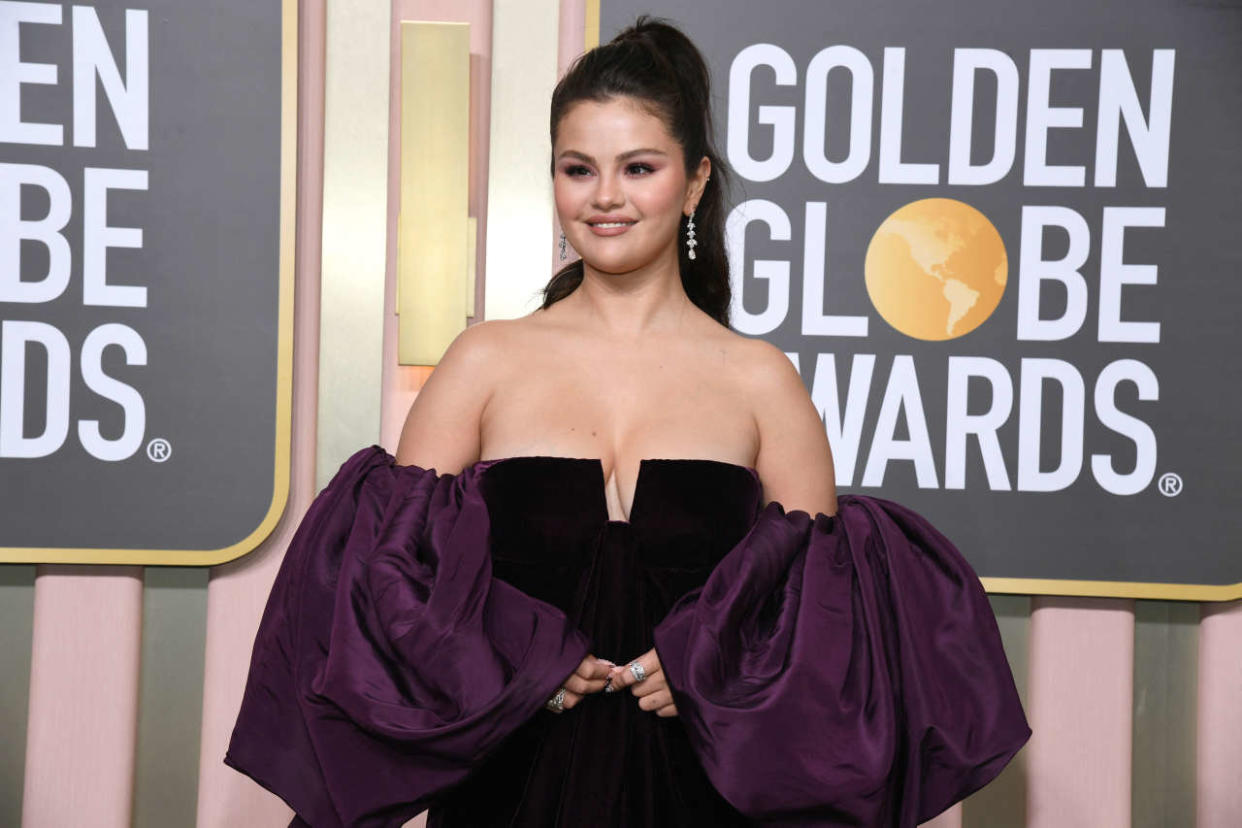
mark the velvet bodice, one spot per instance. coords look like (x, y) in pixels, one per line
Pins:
(552, 538)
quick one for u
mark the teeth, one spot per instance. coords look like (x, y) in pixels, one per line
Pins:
(613, 224)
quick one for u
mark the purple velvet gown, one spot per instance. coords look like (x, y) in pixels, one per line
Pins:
(828, 671)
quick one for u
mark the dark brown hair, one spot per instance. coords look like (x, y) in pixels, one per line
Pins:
(654, 63)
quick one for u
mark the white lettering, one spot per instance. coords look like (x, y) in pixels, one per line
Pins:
(1034, 270)
(97, 237)
(92, 57)
(46, 230)
(774, 271)
(966, 64)
(130, 401)
(780, 118)
(1042, 116)
(14, 337)
(959, 423)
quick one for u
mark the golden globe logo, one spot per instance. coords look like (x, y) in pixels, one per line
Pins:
(936, 269)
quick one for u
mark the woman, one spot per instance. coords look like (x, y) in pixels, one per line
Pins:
(631, 348)
(589, 589)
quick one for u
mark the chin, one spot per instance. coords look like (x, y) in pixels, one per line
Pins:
(620, 269)
(615, 264)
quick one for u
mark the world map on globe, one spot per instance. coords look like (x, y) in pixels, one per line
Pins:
(936, 269)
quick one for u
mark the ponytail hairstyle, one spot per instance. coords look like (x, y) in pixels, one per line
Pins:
(654, 63)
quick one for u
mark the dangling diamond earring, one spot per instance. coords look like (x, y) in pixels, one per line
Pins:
(562, 247)
(690, 242)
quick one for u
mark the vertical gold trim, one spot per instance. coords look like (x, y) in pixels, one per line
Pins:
(433, 258)
(592, 23)
(288, 261)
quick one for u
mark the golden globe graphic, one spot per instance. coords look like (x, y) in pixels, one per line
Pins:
(936, 269)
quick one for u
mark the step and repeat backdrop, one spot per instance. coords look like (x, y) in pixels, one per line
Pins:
(1001, 243)
(146, 279)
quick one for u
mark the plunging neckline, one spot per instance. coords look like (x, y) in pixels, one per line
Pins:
(643, 465)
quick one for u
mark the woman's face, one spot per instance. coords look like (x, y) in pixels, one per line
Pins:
(620, 184)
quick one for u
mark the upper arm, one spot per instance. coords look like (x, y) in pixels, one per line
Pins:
(795, 460)
(441, 431)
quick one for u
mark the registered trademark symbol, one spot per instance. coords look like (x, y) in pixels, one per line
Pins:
(159, 450)
(1170, 484)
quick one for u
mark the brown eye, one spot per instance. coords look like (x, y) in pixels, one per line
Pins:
(576, 170)
(641, 169)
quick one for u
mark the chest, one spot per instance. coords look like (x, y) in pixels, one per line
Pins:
(619, 410)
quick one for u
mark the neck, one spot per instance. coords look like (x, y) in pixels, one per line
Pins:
(648, 299)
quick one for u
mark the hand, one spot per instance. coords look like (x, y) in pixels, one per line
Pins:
(652, 691)
(590, 677)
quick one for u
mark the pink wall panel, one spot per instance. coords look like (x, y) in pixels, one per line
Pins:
(82, 731)
(1079, 704)
(1219, 788)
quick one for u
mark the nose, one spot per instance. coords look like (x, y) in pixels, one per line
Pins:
(608, 194)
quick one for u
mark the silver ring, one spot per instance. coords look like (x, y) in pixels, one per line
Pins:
(557, 703)
(637, 671)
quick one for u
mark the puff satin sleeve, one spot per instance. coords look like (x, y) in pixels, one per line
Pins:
(388, 660)
(843, 670)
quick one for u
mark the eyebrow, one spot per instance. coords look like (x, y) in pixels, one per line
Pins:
(622, 157)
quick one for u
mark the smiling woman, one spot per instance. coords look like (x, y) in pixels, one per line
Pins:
(642, 193)
(631, 125)
(618, 492)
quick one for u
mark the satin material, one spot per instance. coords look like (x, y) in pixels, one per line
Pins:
(843, 670)
(828, 671)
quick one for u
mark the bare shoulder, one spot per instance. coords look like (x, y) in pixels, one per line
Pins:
(767, 377)
(480, 344)
(766, 368)
(441, 430)
(795, 460)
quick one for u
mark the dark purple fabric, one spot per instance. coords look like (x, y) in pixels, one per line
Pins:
(843, 670)
(388, 661)
(828, 671)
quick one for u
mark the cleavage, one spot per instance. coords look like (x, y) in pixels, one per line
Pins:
(614, 499)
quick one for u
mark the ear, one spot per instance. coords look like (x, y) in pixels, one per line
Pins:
(696, 185)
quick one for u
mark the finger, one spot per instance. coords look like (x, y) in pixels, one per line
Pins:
(624, 677)
(571, 699)
(594, 668)
(654, 681)
(667, 710)
(649, 685)
(583, 686)
(655, 700)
